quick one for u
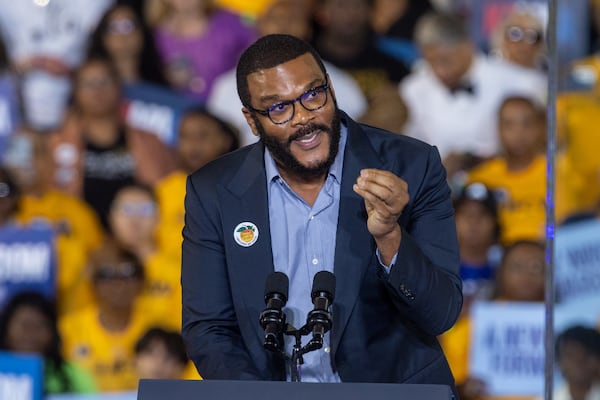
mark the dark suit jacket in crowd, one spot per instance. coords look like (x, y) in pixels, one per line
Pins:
(384, 327)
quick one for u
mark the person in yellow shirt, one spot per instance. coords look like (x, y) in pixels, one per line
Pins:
(577, 119)
(202, 137)
(77, 228)
(518, 175)
(519, 278)
(69, 215)
(101, 337)
(133, 218)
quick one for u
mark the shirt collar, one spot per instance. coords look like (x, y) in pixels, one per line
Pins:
(335, 170)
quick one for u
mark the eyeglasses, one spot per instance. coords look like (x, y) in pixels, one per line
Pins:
(282, 112)
(516, 34)
(96, 83)
(145, 209)
(126, 271)
(123, 26)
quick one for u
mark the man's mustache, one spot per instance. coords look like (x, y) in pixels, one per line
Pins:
(307, 130)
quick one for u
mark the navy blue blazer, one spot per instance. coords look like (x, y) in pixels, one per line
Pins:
(384, 326)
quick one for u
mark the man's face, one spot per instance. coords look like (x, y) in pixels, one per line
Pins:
(344, 18)
(201, 140)
(306, 146)
(521, 129)
(96, 91)
(291, 17)
(475, 225)
(523, 40)
(449, 63)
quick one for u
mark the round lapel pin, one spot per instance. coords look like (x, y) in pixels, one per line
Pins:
(245, 234)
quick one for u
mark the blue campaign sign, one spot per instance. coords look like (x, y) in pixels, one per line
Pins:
(155, 109)
(27, 261)
(21, 376)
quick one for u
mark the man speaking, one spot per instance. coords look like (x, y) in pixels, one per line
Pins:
(318, 192)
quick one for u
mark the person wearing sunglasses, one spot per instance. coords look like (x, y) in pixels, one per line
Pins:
(318, 192)
(124, 38)
(133, 221)
(454, 95)
(519, 39)
(101, 337)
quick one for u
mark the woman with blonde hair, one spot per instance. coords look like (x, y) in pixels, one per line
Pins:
(519, 39)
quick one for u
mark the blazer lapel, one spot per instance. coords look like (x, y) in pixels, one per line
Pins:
(351, 258)
(249, 266)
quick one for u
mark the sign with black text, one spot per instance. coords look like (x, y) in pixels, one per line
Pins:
(507, 347)
(577, 261)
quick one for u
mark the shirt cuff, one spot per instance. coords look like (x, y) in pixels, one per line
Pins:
(387, 268)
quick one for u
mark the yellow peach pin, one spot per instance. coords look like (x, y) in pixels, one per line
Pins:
(245, 234)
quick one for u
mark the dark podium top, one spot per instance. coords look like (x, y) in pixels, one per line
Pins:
(151, 389)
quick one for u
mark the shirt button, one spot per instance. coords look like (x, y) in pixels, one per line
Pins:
(327, 349)
(312, 217)
(315, 261)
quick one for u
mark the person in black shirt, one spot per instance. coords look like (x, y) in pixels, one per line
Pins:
(344, 37)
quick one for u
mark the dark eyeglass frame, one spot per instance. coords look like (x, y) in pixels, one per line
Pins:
(517, 34)
(107, 273)
(121, 26)
(304, 96)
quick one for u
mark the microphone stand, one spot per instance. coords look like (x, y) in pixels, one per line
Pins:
(296, 360)
(298, 351)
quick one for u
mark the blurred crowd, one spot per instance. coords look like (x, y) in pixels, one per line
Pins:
(110, 183)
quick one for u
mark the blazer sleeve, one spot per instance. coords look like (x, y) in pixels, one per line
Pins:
(425, 282)
(209, 324)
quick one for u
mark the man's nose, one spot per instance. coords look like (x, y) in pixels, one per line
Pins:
(301, 115)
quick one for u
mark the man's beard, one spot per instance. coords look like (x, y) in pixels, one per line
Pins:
(285, 159)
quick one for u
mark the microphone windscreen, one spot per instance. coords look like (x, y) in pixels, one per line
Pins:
(324, 281)
(277, 282)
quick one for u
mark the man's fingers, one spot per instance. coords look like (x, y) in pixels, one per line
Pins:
(381, 192)
(369, 197)
(384, 178)
(384, 186)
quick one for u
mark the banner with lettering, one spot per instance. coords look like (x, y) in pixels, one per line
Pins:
(27, 261)
(21, 376)
(507, 347)
(577, 261)
(155, 109)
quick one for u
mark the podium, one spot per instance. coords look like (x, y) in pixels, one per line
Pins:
(152, 389)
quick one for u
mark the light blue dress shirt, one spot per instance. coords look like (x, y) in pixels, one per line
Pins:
(303, 243)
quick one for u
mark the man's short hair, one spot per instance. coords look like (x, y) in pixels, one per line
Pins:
(268, 52)
(586, 336)
(441, 29)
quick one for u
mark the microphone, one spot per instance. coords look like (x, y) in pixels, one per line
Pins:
(319, 319)
(272, 319)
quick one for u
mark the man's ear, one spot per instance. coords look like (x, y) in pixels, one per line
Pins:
(248, 115)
